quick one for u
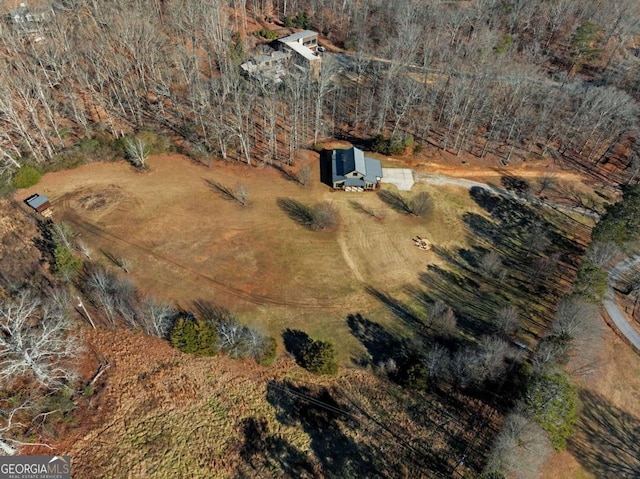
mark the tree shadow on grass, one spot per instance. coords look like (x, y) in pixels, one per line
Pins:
(287, 174)
(270, 455)
(398, 308)
(515, 184)
(323, 419)
(297, 211)
(606, 439)
(396, 201)
(223, 190)
(380, 343)
(296, 342)
(515, 229)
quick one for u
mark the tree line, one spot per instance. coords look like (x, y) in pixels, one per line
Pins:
(483, 78)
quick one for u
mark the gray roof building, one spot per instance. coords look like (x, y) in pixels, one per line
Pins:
(351, 168)
(38, 202)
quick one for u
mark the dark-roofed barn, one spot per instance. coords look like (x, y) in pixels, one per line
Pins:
(351, 168)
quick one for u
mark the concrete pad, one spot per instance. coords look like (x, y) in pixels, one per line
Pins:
(402, 178)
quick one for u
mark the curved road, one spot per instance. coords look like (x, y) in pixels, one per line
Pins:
(613, 309)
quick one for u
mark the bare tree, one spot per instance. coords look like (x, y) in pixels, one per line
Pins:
(436, 361)
(574, 319)
(601, 254)
(549, 354)
(421, 204)
(35, 342)
(325, 216)
(548, 181)
(494, 352)
(101, 287)
(304, 175)
(11, 428)
(84, 249)
(491, 264)
(157, 318)
(520, 448)
(137, 151)
(442, 319)
(508, 320)
(241, 193)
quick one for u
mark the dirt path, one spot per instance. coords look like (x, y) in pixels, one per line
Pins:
(348, 259)
(612, 307)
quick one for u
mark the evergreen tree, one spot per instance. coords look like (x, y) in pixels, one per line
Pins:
(319, 357)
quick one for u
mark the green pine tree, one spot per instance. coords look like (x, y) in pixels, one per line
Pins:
(319, 357)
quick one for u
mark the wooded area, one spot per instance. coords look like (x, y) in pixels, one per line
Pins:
(483, 77)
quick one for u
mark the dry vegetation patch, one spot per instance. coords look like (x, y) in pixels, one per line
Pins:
(164, 414)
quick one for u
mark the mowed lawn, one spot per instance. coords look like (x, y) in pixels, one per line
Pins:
(186, 242)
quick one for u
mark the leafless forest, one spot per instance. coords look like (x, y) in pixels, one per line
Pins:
(483, 77)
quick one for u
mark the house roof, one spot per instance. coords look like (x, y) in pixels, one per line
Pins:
(347, 161)
(302, 50)
(36, 201)
(373, 170)
(295, 37)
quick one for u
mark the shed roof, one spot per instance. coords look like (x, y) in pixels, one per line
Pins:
(36, 201)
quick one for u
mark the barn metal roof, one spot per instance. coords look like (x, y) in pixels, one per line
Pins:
(36, 201)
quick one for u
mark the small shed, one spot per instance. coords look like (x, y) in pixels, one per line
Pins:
(39, 203)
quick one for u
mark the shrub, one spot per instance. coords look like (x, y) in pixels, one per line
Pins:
(319, 358)
(302, 20)
(26, 176)
(268, 34)
(267, 354)
(394, 145)
(411, 371)
(621, 222)
(191, 335)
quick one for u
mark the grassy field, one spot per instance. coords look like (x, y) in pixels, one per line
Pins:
(185, 241)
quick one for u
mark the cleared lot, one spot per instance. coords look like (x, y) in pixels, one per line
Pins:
(186, 242)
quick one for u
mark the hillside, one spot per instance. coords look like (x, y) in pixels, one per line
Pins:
(165, 414)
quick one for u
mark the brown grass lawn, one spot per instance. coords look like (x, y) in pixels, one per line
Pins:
(186, 242)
